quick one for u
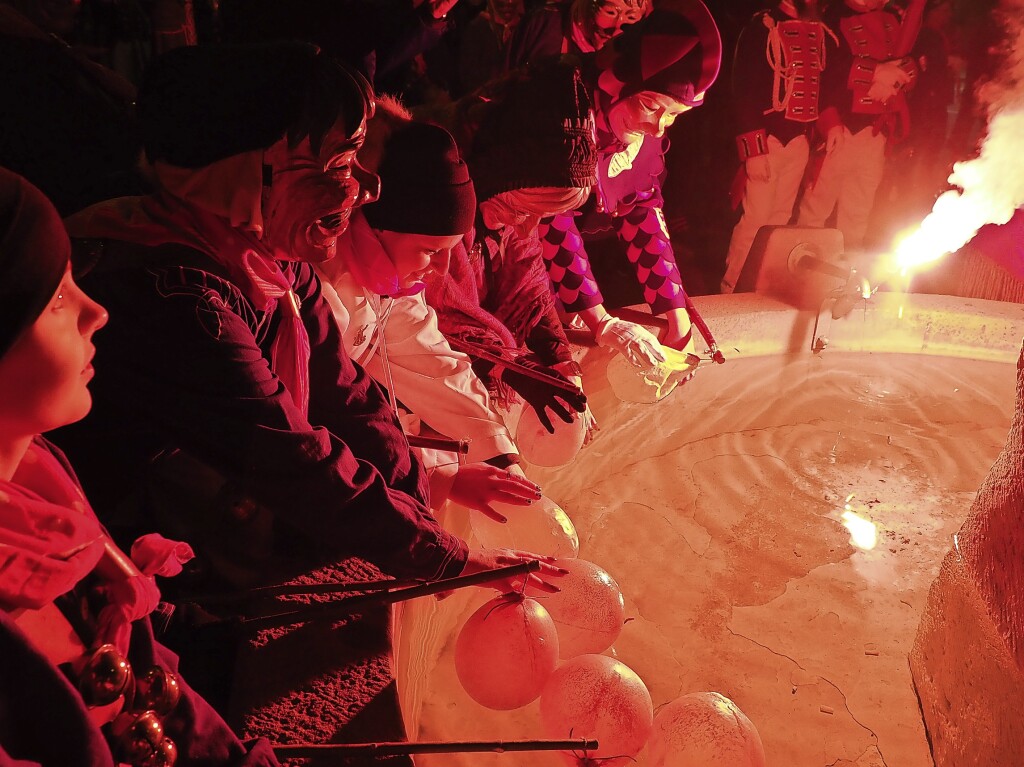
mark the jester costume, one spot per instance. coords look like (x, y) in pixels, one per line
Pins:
(675, 51)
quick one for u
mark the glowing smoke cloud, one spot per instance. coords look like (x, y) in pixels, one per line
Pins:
(993, 183)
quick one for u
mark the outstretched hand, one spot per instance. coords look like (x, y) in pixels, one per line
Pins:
(489, 559)
(478, 485)
(635, 342)
(543, 396)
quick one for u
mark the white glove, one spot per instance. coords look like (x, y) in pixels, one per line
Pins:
(888, 80)
(632, 341)
(836, 138)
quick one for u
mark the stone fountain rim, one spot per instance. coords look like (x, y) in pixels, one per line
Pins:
(899, 323)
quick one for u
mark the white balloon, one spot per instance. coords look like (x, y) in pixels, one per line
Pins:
(541, 528)
(593, 696)
(631, 384)
(588, 610)
(704, 729)
(506, 652)
(543, 448)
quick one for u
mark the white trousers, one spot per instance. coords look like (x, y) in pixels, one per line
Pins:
(766, 203)
(847, 184)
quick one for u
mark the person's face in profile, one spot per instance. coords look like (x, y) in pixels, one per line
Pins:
(311, 196)
(46, 372)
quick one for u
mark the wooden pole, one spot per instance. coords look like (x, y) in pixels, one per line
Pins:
(343, 607)
(384, 750)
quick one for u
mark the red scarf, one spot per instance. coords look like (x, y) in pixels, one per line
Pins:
(162, 218)
(50, 540)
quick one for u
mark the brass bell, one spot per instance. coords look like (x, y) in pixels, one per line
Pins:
(157, 690)
(106, 676)
(138, 736)
(165, 755)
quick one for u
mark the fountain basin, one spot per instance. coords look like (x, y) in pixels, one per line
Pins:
(775, 524)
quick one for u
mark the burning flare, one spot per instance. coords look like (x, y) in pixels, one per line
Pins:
(991, 186)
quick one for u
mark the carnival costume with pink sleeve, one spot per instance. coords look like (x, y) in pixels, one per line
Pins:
(867, 82)
(676, 51)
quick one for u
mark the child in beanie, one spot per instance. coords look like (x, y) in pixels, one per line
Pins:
(375, 288)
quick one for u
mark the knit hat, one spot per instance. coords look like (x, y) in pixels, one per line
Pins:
(676, 50)
(34, 254)
(536, 130)
(201, 104)
(425, 186)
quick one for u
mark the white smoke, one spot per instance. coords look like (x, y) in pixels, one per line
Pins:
(991, 186)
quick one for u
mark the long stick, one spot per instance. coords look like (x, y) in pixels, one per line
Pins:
(382, 750)
(343, 607)
(460, 446)
(294, 589)
(705, 331)
(497, 359)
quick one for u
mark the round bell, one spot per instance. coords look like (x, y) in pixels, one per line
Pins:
(165, 755)
(105, 677)
(138, 736)
(157, 690)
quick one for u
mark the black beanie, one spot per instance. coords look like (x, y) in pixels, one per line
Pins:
(34, 254)
(536, 129)
(200, 104)
(425, 186)
(676, 50)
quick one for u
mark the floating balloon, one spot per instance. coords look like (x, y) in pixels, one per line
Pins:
(632, 384)
(506, 652)
(542, 448)
(704, 729)
(593, 696)
(540, 528)
(588, 610)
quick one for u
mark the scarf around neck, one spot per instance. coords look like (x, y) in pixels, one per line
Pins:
(50, 540)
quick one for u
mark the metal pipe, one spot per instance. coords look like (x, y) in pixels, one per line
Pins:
(497, 359)
(813, 263)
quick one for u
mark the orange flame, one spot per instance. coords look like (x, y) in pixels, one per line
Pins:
(992, 188)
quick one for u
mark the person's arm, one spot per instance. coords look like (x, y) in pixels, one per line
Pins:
(752, 83)
(182, 358)
(407, 32)
(436, 382)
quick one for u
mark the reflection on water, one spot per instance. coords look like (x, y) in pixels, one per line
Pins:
(863, 532)
(774, 526)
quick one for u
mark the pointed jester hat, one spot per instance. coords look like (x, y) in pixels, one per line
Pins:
(676, 50)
